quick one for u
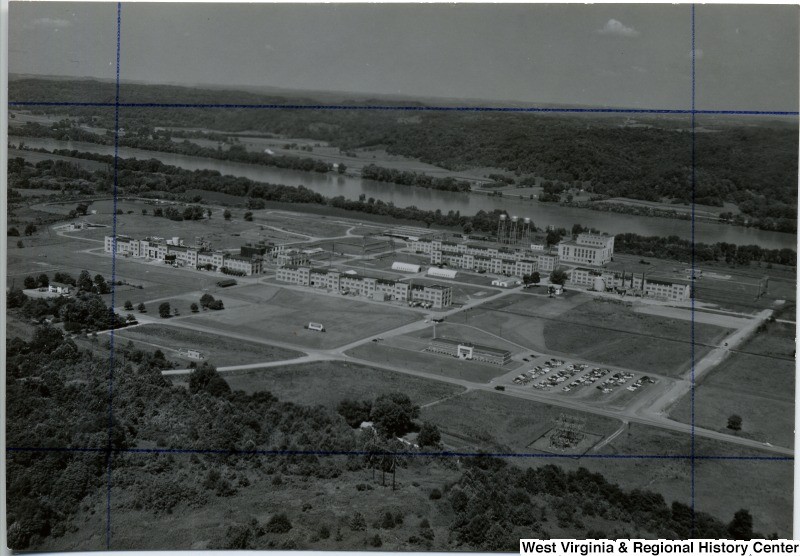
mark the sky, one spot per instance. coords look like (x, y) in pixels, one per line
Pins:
(622, 55)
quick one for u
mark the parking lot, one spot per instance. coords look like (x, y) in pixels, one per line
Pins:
(563, 377)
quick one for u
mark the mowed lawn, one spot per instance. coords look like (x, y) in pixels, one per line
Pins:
(218, 350)
(407, 353)
(501, 423)
(614, 334)
(329, 382)
(756, 383)
(282, 315)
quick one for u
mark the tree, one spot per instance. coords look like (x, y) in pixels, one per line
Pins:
(144, 212)
(205, 378)
(20, 245)
(216, 305)
(30, 229)
(357, 522)
(29, 282)
(735, 422)
(342, 168)
(558, 276)
(428, 435)
(535, 278)
(194, 307)
(205, 299)
(208, 213)
(128, 305)
(741, 526)
(553, 237)
(164, 310)
(393, 413)
(85, 281)
(227, 214)
(13, 232)
(248, 216)
(43, 281)
(141, 308)
(354, 412)
(102, 286)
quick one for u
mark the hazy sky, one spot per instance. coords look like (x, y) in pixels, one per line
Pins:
(619, 55)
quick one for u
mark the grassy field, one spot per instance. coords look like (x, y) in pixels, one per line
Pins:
(329, 382)
(281, 314)
(721, 486)
(218, 350)
(499, 423)
(756, 383)
(432, 363)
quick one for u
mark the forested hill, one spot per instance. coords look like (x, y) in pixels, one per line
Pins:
(230, 448)
(751, 163)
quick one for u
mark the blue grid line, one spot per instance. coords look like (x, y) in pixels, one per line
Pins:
(109, 455)
(405, 454)
(414, 108)
(692, 356)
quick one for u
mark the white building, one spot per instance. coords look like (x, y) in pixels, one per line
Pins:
(406, 267)
(591, 249)
(448, 273)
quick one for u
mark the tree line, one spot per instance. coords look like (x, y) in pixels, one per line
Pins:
(402, 177)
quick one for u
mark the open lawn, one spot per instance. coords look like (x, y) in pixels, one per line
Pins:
(614, 334)
(282, 314)
(412, 357)
(217, 350)
(329, 382)
(752, 384)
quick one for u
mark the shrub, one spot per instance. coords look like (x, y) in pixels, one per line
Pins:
(357, 522)
(436, 494)
(278, 523)
(376, 541)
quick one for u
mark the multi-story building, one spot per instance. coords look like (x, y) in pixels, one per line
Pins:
(496, 265)
(365, 286)
(591, 249)
(602, 280)
(159, 249)
(547, 262)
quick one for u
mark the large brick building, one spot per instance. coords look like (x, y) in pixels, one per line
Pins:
(351, 283)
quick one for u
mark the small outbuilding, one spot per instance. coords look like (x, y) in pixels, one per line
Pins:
(406, 267)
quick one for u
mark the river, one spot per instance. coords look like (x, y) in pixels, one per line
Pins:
(543, 215)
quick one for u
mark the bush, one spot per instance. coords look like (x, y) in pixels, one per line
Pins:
(194, 308)
(324, 532)
(357, 522)
(128, 305)
(164, 310)
(216, 305)
(278, 523)
(376, 541)
(13, 232)
(436, 494)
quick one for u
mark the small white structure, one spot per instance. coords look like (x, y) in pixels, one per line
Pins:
(317, 327)
(509, 282)
(191, 353)
(405, 267)
(599, 284)
(436, 272)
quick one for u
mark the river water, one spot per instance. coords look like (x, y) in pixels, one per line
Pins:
(332, 185)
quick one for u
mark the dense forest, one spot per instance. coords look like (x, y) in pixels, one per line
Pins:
(142, 176)
(752, 166)
(58, 397)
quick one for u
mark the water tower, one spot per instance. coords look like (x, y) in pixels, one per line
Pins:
(502, 230)
(526, 231)
(514, 232)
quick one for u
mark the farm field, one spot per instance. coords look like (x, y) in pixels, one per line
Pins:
(414, 358)
(281, 315)
(757, 383)
(329, 382)
(217, 350)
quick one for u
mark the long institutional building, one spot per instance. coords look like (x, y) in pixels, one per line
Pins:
(592, 249)
(171, 249)
(365, 286)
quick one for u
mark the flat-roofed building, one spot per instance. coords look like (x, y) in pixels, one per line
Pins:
(586, 248)
(469, 351)
(437, 295)
(248, 265)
